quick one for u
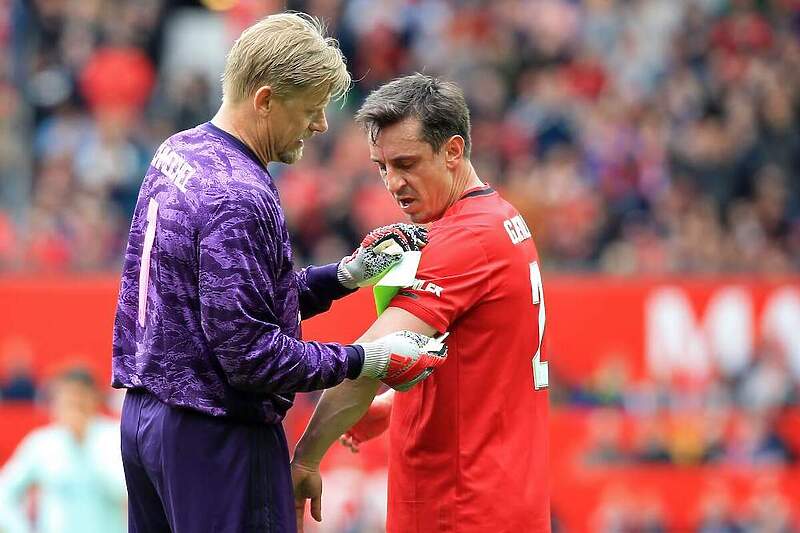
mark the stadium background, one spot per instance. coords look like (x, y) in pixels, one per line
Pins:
(653, 147)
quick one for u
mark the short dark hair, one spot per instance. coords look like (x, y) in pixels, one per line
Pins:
(77, 375)
(439, 106)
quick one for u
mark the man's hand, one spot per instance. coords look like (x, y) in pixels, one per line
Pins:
(307, 484)
(403, 359)
(381, 249)
(374, 422)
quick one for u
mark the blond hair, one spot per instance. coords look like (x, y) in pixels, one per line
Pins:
(289, 52)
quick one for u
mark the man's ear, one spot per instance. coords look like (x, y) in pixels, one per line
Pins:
(263, 100)
(454, 151)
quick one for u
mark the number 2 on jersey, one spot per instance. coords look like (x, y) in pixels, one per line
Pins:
(540, 373)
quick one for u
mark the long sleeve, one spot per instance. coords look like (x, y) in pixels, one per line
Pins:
(319, 287)
(15, 479)
(242, 321)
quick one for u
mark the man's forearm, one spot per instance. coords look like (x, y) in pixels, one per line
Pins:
(344, 405)
(338, 409)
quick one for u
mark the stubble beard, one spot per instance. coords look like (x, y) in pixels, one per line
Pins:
(290, 157)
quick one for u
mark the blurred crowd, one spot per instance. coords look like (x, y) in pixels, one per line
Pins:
(744, 417)
(635, 136)
(746, 422)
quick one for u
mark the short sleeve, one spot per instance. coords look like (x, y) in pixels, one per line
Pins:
(453, 276)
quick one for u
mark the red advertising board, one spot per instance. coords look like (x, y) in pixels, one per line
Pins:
(654, 325)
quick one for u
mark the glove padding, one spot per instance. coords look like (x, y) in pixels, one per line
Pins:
(380, 250)
(403, 359)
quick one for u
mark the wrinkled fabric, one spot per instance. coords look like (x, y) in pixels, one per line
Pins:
(216, 326)
(186, 472)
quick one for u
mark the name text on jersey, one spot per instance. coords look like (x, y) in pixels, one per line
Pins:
(517, 229)
(173, 166)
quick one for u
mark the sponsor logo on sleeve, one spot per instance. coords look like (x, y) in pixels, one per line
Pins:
(428, 286)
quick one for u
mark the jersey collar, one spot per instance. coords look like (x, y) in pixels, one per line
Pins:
(481, 190)
(237, 143)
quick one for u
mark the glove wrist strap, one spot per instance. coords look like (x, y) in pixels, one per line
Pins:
(344, 277)
(376, 360)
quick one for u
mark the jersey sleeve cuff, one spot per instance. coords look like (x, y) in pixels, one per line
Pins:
(323, 281)
(355, 360)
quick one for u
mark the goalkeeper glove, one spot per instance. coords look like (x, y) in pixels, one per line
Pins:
(379, 251)
(403, 359)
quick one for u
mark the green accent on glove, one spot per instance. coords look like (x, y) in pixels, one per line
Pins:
(383, 295)
(399, 275)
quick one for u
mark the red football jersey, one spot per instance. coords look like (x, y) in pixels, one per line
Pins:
(469, 445)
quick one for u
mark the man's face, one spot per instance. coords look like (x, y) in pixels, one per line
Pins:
(74, 404)
(293, 120)
(418, 178)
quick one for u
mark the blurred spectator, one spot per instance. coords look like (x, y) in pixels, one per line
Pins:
(650, 441)
(716, 512)
(8, 244)
(714, 429)
(16, 380)
(649, 515)
(615, 512)
(769, 511)
(74, 462)
(767, 384)
(606, 386)
(604, 442)
(687, 440)
(18, 383)
(755, 442)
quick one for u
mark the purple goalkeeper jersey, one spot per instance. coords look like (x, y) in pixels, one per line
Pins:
(209, 308)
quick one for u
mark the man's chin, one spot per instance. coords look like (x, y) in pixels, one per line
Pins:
(290, 157)
(418, 218)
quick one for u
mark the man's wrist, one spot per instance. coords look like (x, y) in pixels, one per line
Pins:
(302, 460)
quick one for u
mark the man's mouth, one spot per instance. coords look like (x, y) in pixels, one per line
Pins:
(405, 202)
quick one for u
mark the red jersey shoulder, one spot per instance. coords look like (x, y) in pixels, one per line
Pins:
(466, 249)
(491, 220)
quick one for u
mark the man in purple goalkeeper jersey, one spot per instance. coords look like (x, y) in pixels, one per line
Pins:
(206, 336)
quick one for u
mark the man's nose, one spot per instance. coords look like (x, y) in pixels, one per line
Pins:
(319, 124)
(394, 182)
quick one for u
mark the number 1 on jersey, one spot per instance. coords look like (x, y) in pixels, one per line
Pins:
(541, 377)
(144, 268)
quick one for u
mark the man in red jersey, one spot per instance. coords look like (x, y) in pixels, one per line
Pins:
(469, 445)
